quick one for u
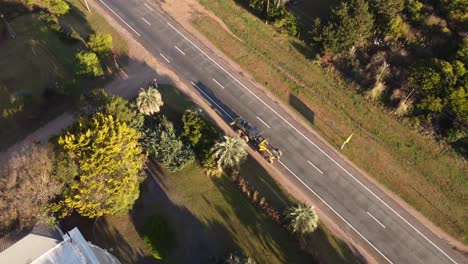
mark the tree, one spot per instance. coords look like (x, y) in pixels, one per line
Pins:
(88, 64)
(57, 7)
(456, 11)
(425, 79)
(302, 218)
(350, 25)
(98, 100)
(385, 13)
(414, 8)
(458, 103)
(230, 153)
(162, 143)
(149, 101)
(110, 161)
(27, 185)
(200, 132)
(462, 53)
(101, 44)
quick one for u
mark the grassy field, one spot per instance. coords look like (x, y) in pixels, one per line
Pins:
(35, 61)
(427, 175)
(210, 217)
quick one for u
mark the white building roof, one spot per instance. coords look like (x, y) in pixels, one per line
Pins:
(71, 249)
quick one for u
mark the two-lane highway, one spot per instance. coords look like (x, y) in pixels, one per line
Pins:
(366, 213)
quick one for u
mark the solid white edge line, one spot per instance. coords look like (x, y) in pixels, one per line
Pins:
(263, 122)
(217, 83)
(310, 141)
(120, 18)
(373, 217)
(146, 21)
(164, 57)
(333, 210)
(149, 7)
(196, 86)
(315, 166)
(177, 48)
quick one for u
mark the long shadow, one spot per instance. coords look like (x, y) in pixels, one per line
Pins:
(220, 108)
(195, 241)
(274, 239)
(311, 117)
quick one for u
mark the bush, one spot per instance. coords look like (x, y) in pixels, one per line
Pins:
(200, 132)
(88, 64)
(101, 44)
(164, 145)
(158, 236)
(57, 7)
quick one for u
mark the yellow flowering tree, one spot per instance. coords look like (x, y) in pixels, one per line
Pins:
(110, 161)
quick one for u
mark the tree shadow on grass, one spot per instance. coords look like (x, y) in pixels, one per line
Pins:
(274, 240)
(260, 180)
(196, 240)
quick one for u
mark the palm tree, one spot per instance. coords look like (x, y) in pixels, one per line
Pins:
(230, 152)
(302, 218)
(149, 101)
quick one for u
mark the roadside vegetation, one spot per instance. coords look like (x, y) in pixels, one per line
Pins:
(401, 151)
(59, 52)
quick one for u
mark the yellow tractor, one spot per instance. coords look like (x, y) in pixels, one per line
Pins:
(251, 134)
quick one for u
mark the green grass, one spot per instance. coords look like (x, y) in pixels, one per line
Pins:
(428, 175)
(36, 60)
(212, 214)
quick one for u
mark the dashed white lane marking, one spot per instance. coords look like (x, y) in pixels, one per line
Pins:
(120, 18)
(312, 143)
(207, 96)
(177, 48)
(315, 166)
(263, 122)
(333, 210)
(149, 7)
(164, 57)
(214, 80)
(380, 223)
(146, 21)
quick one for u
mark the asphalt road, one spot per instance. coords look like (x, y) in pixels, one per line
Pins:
(381, 226)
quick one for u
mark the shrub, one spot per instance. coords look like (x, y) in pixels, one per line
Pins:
(88, 64)
(163, 144)
(158, 236)
(200, 132)
(101, 44)
(57, 7)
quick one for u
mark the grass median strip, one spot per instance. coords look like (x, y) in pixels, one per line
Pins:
(424, 173)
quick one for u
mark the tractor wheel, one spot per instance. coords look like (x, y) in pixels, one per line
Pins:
(280, 153)
(246, 138)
